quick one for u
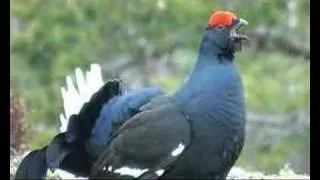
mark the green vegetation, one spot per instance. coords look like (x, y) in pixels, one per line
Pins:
(155, 42)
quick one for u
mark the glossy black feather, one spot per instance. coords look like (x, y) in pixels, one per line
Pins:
(145, 142)
(33, 166)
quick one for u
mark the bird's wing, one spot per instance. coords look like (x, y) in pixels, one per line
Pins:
(116, 112)
(146, 145)
(156, 102)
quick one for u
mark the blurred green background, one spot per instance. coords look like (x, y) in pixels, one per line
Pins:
(155, 43)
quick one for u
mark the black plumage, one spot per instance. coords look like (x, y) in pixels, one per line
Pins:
(198, 132)
(33, 166)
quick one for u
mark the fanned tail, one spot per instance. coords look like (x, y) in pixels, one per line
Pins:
(82, 103)
(78, 123)
(82, 107)
(75, 96)
(33, 166)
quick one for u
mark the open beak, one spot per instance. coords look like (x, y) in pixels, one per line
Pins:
(234, 31)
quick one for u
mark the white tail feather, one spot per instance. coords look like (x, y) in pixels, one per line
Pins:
(74, 96)
(63, 123)
(81, 84)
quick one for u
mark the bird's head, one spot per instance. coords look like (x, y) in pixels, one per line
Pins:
(223, 32)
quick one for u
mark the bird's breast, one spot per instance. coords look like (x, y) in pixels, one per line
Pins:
(217, 101)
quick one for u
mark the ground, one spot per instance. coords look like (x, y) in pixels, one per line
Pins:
(235, 173)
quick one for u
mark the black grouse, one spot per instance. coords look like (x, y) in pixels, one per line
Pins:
(198, 132)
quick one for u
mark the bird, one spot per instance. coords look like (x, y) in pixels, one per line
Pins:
(196, 132)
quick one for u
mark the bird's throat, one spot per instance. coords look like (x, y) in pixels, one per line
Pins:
(210, 49)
